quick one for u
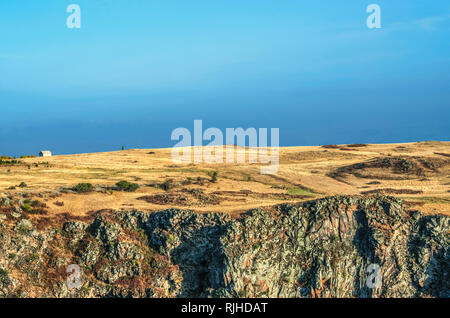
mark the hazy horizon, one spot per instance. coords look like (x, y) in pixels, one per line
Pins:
(137, 70)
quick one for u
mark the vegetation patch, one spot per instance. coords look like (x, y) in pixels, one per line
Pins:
(392, 191)
(7, 162)
(356, 145)
(314, 155)
(184, 197)
(83, 187)
(166, 185)
(391, 168)
(442, 154)
(431, 200)
(127, 186)
(34, 207)
(301, 191)
(170, 184)
(26, 207)
(214, 175)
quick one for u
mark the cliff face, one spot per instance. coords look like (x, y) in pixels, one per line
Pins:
(332, 247)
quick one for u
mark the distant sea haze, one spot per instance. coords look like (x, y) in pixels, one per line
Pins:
(136, 70)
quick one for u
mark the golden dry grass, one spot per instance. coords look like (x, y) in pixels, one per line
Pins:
(303, 171)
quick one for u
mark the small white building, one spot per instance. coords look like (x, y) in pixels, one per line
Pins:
(45, 153)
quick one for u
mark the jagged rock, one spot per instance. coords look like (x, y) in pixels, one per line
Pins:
(110, 273)
(7, 284)
(320, 248)
(105, 231)
(125, 251)
(91, 253)
(330, 247)
(75, 229)
(130, 219)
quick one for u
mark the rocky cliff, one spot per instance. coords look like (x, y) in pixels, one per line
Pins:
(332, 247)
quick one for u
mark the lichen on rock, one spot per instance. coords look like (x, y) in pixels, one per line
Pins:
(319, 248)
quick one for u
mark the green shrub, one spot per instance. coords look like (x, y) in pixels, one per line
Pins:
(4, 161)
(214, 176)
(167, 185)
(37, 204)
(127, 186)
(171, 239)
(27, 207)
(83, 187)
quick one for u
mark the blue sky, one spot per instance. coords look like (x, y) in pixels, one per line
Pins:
(138, 69)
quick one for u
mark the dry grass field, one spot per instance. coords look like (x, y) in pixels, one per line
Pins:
(417, 172)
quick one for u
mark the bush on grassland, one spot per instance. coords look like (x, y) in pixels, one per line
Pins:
(127, 186)
(83, 187)
(214, 175)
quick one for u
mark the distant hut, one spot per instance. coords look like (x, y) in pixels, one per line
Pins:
(45, 153)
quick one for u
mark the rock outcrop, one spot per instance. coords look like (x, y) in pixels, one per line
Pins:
(332, 247)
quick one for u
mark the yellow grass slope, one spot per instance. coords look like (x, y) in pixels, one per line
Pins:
(417, 172)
